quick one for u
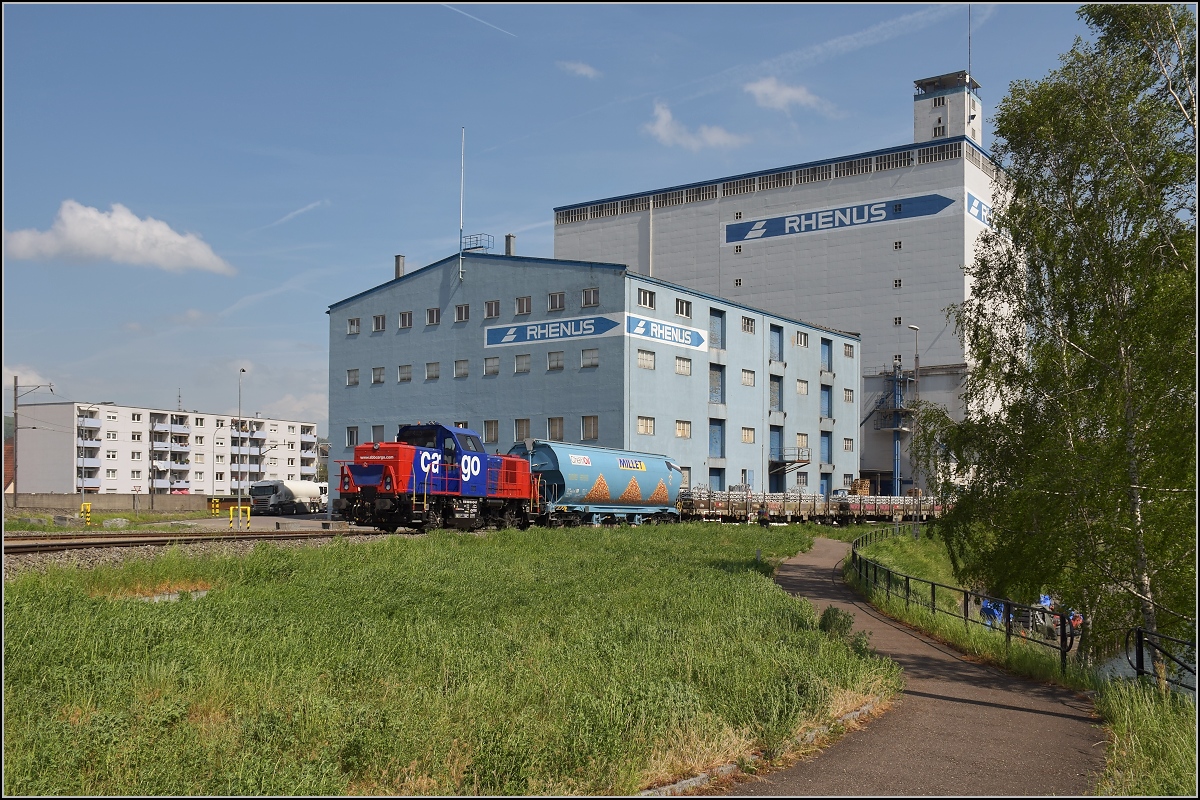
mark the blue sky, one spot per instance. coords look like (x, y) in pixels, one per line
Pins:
(187, 188)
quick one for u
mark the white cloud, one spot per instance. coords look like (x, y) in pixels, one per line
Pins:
(670, 132)
(770, 93)
(311, 406)
(580, 69)
(83, 233)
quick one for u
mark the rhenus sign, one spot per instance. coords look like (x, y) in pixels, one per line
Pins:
(594, 327)
(802, 222)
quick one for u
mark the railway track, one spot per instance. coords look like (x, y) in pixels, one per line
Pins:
(49, 544)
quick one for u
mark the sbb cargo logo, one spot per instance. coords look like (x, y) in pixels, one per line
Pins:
(666, 332)
(557, 330)
(802, 222)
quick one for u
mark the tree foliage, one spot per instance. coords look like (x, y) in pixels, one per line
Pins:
(1075, 462)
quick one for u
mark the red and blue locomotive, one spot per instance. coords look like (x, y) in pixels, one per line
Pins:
(434, 476)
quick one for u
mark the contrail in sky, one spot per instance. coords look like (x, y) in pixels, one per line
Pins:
(477, 19)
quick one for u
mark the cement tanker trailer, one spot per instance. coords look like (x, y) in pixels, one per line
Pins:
(583, 485)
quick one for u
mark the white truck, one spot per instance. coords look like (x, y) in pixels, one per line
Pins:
(286, 497)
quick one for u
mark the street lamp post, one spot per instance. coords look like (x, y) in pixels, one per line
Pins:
(241, 372)
(916, 426)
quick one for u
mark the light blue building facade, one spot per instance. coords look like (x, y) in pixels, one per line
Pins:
(517, 347)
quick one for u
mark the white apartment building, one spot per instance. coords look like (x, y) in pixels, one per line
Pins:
(868, 242)
(104, 448)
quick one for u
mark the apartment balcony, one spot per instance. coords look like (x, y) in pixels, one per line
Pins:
(160, 447)
(180, 466)
(161, 466)
(181, 485)
(88, 463)
(88, 423)
(255, 469)
(181, 429)
(93, 443)
(304, 470)
(308, 438)
(87, 483)
(180, 447)
(160, 427)
(159, 483)
(257, 435)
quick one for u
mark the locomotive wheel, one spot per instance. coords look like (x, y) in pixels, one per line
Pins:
(433, 519)
(511, 519)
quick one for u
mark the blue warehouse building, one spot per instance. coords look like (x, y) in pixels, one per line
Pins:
(594, 353)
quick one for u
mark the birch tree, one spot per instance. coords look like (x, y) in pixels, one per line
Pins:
(1076, 458)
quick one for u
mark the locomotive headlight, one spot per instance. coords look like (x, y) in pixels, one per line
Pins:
(346, 484)
(375, 447)
(387, 483)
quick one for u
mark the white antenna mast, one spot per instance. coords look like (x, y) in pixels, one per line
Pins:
(968, 47)
(462, 182)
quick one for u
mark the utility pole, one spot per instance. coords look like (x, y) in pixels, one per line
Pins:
(241, 372)
(17, 427)
(916, 426)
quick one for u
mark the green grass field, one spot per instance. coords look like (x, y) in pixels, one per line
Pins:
(574, 661)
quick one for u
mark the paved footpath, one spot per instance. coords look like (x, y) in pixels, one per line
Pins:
(959, 728)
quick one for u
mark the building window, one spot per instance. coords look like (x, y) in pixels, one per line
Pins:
(939, 101)
(801, 387)
(747, 377)
(352, 326)
(645, 359)
(524, 305)
(747, 325)
(460, 368)
(898, 358)
(896, 283)
(433, 316)
(136, 455)
(135, 474)
(683, 308)
(198, 458)
(747, 435)
(491, 365)
(590, 357)
(433, 370)
(591, 297)
(220, 458)
(491, 309)
(351, 436)
(554, 360)
(685, 477)
(897, 245)
(520, 430)
(645, 298)
(737, 248)
(848, 395)
(591, 428)
(462, 424)
(352, 377)
(683, 365)
(801, 480)
(556, 301)
(376, 374)
(404, 373)
(848, 480)
(219, 477)
(646, 426)
(376, 436)
(554, 429)
(491, 430)
(220, 423)
(378, 322)
(939, 130)
(897, 321)
(198, 422)
(848, 350)
(521, 363)
(462, 312)
(138, 418)
(683, 429)
(801, 339)
(405, 319)
(110, 435)
(802, 440)
(848, 445)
